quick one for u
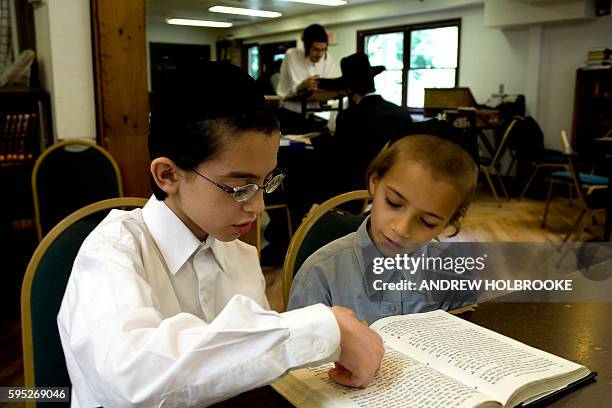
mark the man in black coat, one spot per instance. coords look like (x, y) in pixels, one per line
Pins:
(367, 125)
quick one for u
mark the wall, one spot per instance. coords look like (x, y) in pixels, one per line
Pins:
(564, 48)
(167, 33)
(63, 41)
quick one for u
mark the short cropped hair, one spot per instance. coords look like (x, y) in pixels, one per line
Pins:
(444, 159)
(312, 34)
(204, 105)
(204, 140)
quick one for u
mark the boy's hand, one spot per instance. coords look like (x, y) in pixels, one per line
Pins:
(309, 84)
(361, 350)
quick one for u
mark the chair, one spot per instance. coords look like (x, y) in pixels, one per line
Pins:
(532, 148)
(43, 288)
(322, 225)
(587, 186)
(492, 163)
(68, 176)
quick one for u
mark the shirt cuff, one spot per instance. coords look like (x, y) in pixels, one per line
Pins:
(314, 335)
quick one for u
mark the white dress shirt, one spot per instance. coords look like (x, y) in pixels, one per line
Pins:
(296, 67)
(153, 317)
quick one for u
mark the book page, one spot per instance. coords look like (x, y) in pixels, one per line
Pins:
(478, 357)
(401, 382)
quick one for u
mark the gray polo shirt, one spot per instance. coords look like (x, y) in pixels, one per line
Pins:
(340, 273)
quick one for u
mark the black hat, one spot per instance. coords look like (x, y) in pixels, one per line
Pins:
(441, 128)
(357, 74)
(198, 92)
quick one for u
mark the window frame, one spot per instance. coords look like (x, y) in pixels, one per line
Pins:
(407, 31)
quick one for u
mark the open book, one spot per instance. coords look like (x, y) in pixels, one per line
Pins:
(435, 359)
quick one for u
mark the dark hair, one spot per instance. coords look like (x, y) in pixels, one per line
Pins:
(203, 105)
(443, 158)
(204, 140)
(313, 33)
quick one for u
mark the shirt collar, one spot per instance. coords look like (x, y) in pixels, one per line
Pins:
(364, 246)
(366, 251)
(174, 239)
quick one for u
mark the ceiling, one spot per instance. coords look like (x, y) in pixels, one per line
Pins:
(159, 10)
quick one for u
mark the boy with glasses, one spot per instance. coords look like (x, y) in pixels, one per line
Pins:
(164, 306)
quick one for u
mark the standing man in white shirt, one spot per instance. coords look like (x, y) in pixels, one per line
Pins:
(164, 306)
(302, 68)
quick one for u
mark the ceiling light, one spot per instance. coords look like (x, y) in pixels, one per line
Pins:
(198, 23)
(321, 2)
(244, 11)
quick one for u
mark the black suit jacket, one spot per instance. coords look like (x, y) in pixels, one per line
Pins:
(361, 132)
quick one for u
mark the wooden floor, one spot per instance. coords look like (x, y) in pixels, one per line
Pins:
(521, 221)
(486, 222)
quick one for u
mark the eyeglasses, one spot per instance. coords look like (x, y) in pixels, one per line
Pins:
(246, 192)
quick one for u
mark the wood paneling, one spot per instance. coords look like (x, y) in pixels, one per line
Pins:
(122, 101)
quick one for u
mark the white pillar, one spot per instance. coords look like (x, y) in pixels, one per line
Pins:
(63, 42)
(534, 62)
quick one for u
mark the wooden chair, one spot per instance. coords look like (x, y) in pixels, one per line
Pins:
(589, 188)
(487, 164)
(43, 288)
(68, 176)
(322, 225)
(541, 158)
(586, 185)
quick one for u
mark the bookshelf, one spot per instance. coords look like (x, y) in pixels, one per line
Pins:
(24, 134)
(24, 125)
(25, 130)
(592, 107)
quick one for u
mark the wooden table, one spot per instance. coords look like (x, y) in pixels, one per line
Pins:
(581, 332)
(321, 96)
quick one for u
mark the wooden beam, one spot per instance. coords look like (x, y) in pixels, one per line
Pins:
(122, 98)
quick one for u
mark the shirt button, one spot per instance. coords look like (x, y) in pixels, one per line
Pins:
(319, 346)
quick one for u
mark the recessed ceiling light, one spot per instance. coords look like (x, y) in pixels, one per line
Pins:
(198, 23)
(244, 11)
(321, 2)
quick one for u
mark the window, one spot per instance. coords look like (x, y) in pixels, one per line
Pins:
(416, 57)
(253, 62)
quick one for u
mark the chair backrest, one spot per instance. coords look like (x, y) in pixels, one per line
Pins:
(69, 175)
(507, 139)
(43, 288)
(322, 225)
(567, 145)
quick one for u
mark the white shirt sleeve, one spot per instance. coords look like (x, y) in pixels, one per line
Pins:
(127, 353)
(330, 68)
(290, 76)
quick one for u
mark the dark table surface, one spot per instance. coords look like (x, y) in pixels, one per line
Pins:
(581, 332)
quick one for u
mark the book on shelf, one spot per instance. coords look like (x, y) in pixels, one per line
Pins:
(435, 359)
(17, 136)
